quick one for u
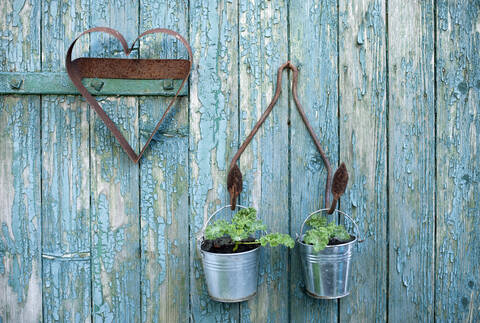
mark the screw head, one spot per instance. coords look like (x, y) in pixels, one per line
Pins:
(15, 84)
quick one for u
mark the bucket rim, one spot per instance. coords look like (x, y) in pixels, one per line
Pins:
(231, 254)
(300, 241)
(233, 300)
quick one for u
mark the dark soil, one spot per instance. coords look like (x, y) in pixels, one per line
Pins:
(226, 245)
(334, 242)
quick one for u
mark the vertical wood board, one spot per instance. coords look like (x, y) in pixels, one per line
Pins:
(20, 172)
(363, 148)
(411, 142)
(115, 218)
(65, 173)
(313, 47)
(213, 129)
(164, 178)
(457, 288)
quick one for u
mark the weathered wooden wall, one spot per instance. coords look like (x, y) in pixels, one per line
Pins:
(392, 88)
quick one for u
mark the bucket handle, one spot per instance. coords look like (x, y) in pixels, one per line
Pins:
(338, 211)
(200, 238)
(215, 213)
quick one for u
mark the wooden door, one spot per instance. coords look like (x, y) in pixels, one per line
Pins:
(392, 88)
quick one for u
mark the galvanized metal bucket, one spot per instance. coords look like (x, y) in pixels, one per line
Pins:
(327, 273)
(231, 277)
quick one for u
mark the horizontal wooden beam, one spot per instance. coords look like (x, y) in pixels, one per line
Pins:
(60, 84)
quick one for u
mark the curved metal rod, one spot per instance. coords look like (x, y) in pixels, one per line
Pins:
(76, 77)
(338, 211)
(265, 114)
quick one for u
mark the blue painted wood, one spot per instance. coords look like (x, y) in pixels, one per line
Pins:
(363, 147)
(263, 47)
(457, 287)
(20, 169)
(314, 26)
(65, 175)
(213, 134)
(87, 235)
(58, 83)
(20, 244)
(411, 142)
(115, 191)
(164, 174)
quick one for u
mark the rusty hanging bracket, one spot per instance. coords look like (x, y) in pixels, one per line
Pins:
(234, 179)
(121, 68)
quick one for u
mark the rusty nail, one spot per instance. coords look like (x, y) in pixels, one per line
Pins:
(97, 85)
(167, 84)
(16, 84)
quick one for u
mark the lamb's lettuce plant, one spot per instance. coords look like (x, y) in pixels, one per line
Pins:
(244, 225)
(322, 232)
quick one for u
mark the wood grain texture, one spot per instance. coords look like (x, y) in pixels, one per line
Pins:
(263, 47)
(164, 179)
(392, 89)
(411, 142)
(65, 174)
(313, 29)
(458, 161)
(363, 148)
(66, 289)
(115, 218)
(20, 244)
(59, 83)
(20, 172)
(213, 129)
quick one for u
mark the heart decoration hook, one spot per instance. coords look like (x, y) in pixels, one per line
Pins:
(122, 68)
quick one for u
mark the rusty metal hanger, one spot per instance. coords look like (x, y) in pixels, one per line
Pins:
(234, 179)
(121, 68)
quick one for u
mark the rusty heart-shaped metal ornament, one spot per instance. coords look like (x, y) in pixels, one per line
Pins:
(124, 68)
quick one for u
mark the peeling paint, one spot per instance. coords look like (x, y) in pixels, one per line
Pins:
(131, 254)
(363, 148)
(213, 133)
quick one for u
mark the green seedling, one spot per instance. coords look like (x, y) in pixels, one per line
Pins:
(244, 224)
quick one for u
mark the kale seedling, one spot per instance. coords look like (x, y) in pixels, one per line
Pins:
(322, 233)
(244, 224)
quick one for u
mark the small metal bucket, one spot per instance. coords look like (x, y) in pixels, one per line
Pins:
(231, 277)
(327, 272)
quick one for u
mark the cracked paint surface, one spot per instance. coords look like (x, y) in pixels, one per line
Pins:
(391, 89)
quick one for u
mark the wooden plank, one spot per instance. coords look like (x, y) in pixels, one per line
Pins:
(114, 213)
(66, 296)
(20, 244)
(65, 206)
(411, 142)
(263, 41)
(115, 183)
(20, 41)
(59, 83)
(363, 148)
(20, 177)
(213, 134)
(65, 174)
(164, 180)
(458, 160)
(313, 27)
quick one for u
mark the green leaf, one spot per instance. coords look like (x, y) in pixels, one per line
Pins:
(318, 238)
(244, 225)
(246, 220)
(275, 239)
(216, 230)
(321, 233)
(340, 233)
(317, 221)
